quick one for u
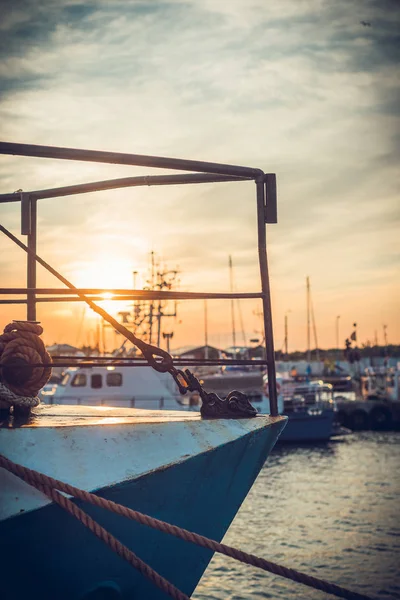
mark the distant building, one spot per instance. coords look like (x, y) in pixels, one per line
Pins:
(198, 352)
(245, 352)
(64, 349)
(57, 350)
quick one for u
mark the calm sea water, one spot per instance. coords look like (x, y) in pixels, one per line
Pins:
(331, 510)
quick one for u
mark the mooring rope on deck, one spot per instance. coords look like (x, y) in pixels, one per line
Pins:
(49, 486)
(20, 349)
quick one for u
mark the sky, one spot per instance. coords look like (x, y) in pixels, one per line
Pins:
(306, 89)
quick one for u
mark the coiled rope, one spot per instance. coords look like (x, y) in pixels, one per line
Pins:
(49, 486)
(20, 345)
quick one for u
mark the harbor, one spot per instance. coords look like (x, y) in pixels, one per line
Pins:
(223, 400)
(242, 407)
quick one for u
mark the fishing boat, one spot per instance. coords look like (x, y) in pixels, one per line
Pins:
(310, 407)
(176, 466)
(191, 469)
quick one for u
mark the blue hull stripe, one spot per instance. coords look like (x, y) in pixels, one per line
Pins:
(49, 555)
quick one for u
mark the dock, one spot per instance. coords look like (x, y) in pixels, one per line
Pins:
(377, 414)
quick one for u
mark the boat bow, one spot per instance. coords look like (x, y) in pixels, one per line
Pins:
(175, 466)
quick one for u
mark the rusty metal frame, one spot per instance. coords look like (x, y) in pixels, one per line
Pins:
(202, 172)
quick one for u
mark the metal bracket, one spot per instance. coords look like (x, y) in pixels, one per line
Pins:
(26, 221)
(271, 203)
(235, 406)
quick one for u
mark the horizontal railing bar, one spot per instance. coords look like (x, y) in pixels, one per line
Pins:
(178, 359)
(96, 186)
(138, 362)
(124, 294)
(119, 158)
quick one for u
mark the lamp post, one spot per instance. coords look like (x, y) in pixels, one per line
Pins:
(385, 334)
(168, 337)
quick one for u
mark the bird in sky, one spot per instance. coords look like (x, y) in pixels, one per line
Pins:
(365, 23)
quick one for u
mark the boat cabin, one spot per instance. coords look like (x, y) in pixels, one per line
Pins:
(135, 387)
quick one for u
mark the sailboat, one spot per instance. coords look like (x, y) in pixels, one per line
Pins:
(191, 469)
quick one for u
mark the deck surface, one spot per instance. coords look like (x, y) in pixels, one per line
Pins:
(71, 416)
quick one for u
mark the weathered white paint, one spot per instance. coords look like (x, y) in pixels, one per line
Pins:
(97, 447)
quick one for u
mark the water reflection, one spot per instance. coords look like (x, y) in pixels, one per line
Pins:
(330, 510)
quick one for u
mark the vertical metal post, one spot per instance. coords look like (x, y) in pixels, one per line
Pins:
(267, 313)
(31, 261)
(232, 304)
(205, 330)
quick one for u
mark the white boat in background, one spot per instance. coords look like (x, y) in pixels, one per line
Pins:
(125, 387)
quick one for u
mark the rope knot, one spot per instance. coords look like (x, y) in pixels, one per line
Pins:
(21, 346)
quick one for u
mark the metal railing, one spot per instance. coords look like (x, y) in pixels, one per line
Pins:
(202, 172)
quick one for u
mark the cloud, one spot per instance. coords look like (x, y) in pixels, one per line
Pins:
(297, 88)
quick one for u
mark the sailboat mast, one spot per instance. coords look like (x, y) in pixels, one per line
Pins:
(205, 330)
(160, 278)
(232, 302)
(97, 337)
(286, 337)
(308, 320)
(159, 316)
(134, 303)
(314, 330)
(310, 314)
(151, 308)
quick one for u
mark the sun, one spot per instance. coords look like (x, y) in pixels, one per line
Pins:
(109, 305)
(107, 272)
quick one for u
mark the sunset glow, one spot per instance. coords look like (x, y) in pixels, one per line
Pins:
(105, 272)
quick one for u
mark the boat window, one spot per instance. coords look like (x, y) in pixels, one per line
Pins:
(96, 381)
(79, 380)
(114, 379)
(65, 379)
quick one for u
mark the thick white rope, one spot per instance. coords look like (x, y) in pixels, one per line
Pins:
(8, 398)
